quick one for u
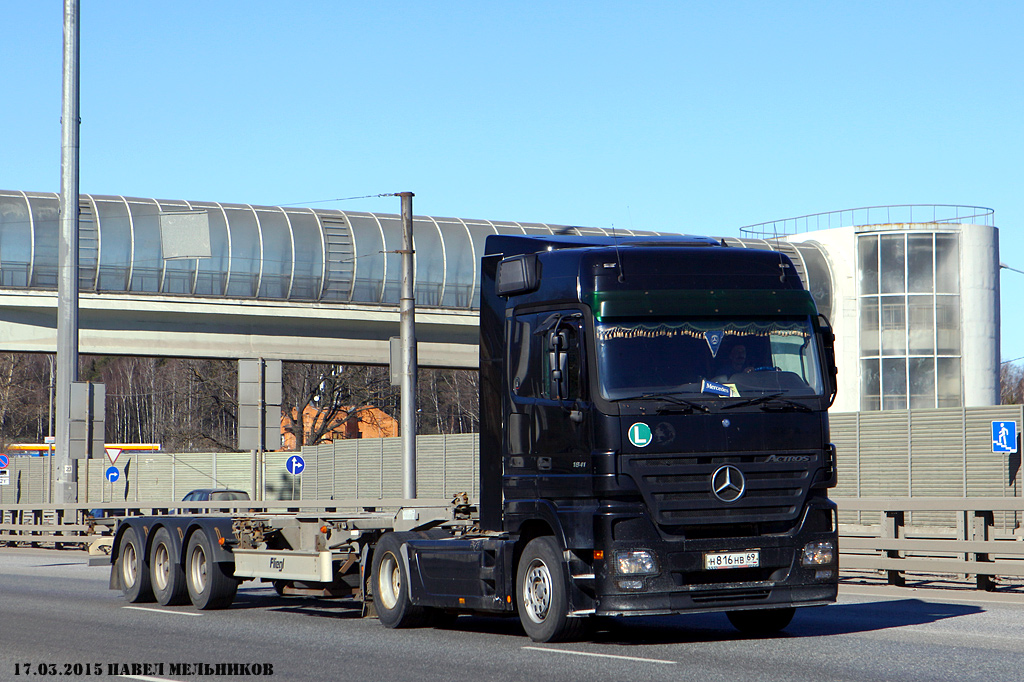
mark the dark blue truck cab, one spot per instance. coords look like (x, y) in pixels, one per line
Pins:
(654, 440)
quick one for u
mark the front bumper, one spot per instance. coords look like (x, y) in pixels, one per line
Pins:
(683, 584)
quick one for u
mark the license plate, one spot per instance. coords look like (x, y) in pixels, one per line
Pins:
(751, 559)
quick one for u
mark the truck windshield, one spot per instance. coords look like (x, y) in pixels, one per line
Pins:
(707, 358)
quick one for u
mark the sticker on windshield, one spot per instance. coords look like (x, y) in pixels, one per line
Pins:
(640, 435)
(715, 389)
(714, 340)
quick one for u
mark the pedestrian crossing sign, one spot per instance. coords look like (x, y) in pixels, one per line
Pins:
(1004, 437)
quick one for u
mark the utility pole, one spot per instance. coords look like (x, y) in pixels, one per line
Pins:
(66, 484)
(407, 331)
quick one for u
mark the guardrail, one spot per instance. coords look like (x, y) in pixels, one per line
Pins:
(973, 547)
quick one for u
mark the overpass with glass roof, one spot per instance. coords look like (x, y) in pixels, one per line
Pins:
(289, 283)
(280, 282)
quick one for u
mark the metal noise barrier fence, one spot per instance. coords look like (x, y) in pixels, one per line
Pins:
(346, 469)
(936, 453)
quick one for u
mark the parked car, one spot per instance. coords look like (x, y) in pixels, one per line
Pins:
(214, 495)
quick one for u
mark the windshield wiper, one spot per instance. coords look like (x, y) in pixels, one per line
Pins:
(674, 399)
(763, 401)
(782, 404)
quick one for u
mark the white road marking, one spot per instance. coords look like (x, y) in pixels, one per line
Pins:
(175, 613)
(587, 653)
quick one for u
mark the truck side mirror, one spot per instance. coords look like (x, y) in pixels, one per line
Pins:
(558, 361)
(518, 275)
(828, 339)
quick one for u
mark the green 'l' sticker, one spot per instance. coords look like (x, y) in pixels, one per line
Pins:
(640, 434)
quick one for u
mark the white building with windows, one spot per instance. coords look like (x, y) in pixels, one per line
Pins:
(913, 296)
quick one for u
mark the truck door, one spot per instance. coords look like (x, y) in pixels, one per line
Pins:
(548, 425)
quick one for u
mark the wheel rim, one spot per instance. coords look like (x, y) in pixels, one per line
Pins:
(389, 581)
(161, 566)
(537, 591)
(129, 565)
(197, 566)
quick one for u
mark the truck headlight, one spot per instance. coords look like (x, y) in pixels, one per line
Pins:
(818, 553)
(636, 562)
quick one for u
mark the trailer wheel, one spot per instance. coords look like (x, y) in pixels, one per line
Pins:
(390, 583)
(167, 576)
(132, 568)
(542, 595)
(210, 586)
(761, 621)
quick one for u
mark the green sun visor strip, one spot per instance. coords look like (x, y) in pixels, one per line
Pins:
(695, 302)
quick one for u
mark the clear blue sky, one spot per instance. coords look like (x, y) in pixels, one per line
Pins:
(679, 116)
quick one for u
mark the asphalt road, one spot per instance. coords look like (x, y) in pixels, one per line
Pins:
(56, 610)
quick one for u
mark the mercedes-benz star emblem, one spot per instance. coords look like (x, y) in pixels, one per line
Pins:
(728, 484)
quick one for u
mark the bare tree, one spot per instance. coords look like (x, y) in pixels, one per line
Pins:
(448, 401)
(334, 395)
(24, 387)
(1011, 384)
(190, 404)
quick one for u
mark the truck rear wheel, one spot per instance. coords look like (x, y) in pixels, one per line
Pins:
(167, 576)
(542, 595)
(132, 569)
(390, 583)
(761, 621)
(210, 586)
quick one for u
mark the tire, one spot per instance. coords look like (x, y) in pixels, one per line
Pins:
(210, 586)
(166, 574)
(761, 621)
(132, 568)
(390, 585)
(542, 594)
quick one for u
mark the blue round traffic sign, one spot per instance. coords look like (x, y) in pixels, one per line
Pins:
(112, 474)
(295, 465)
(4, 461)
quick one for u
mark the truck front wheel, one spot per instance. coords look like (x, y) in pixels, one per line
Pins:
(132, 568)
(761, 621)
(210, 586)
(390, 583)
(542, 595)
(168, 578)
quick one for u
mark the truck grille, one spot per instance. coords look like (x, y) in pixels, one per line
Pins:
(677, 489)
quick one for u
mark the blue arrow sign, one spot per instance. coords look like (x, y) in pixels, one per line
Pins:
(112, 474)
(4, 461)
(295, 465)
(1004, 436)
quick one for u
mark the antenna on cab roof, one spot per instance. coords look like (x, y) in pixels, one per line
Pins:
(618, 258)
